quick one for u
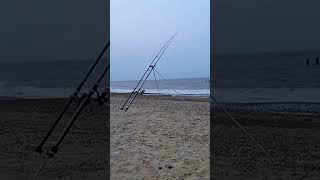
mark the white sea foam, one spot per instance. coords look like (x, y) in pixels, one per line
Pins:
(185, 92)
(228, 95)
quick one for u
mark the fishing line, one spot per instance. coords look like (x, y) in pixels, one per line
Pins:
(155, 78)
(232, 118)
(171, 88)
(242, 128)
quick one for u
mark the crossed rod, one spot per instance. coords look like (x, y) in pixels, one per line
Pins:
(81, 103)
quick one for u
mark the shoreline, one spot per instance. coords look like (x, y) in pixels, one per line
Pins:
(25, 122)
(303, 107)
(188, 97)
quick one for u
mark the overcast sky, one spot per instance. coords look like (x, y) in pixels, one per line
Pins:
(140, 27)
(59, 29)
(45, 30)
(76, 28)
(265, 25)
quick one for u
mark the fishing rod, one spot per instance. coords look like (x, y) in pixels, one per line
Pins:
(72, 97)
(155, 79)
(146, 71)
(55, 148)
(146, 78)
(146, 74)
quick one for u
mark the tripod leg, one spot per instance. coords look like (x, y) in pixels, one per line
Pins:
(154, 74)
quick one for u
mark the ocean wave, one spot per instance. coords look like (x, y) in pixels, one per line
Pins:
(228, 95)
(185, 92)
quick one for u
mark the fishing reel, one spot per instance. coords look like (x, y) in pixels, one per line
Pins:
(76, 98)
(81, 102)
(103, 97)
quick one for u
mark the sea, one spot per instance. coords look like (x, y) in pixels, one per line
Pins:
(260, 77)
(176, 87)
(266, 77)
(57, 79)
(45, 79)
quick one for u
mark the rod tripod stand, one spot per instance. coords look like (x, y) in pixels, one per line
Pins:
(82, 102)
(146, 75)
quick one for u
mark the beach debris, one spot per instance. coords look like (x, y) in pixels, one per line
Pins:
(138, 88)
(81, 103)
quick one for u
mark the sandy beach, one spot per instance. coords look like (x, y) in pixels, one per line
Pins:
(25, 121)
(160, 137)
(288, 131)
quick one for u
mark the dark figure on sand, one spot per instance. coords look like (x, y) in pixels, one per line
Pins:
(307, 62)
(317, 60)
(142, 92)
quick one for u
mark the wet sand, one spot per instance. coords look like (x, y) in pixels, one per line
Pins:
(292, 138)
(23, 124)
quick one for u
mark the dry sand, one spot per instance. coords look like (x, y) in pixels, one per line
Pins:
(160, 138)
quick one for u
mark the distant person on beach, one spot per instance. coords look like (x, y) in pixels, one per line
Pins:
(317, 61)
(307, 62)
